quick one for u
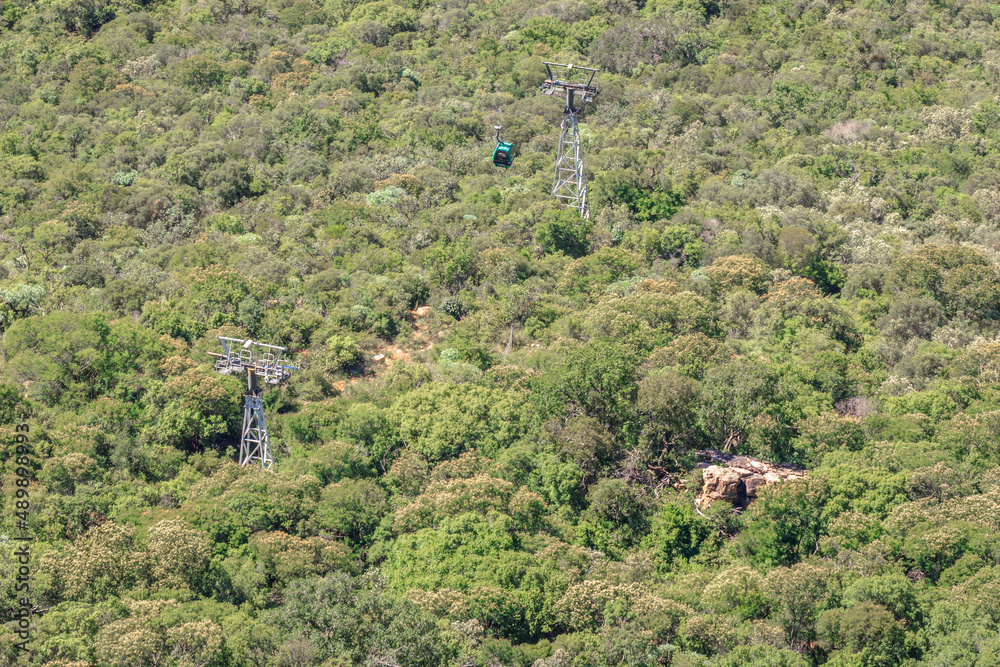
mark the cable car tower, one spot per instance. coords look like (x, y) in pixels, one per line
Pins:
(570, 182)
(259, 362)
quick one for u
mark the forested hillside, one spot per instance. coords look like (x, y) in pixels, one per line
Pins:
(488, 455)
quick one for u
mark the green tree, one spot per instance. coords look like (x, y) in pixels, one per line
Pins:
(786, 522)
(761, 655)
(736, 394)
(442, 420)
(105, 561)
(799, 594)
(957, 277)
(71, 358)
(201, 72)
(677, 532)
(353, 619)
(19, 300)
(738, 589)
(866, 631)
(194, 409)
(351, 510)
(737, 272)
(598, 379)
(178, 554)
(90, 77)
(284, 558)
(563, 231)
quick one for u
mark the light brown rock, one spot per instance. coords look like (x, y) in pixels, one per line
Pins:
(739, 478)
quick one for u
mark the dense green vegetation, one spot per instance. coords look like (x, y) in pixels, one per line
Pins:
(793, 254)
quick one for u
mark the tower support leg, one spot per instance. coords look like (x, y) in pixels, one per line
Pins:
(254, 442)
(570, 182)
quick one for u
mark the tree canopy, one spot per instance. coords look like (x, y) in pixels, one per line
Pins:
(490, 451)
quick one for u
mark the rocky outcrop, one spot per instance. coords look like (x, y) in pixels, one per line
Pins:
(737, 479)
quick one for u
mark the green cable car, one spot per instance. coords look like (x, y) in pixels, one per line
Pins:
(503, 154)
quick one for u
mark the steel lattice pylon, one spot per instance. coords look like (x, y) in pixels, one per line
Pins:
(570, 180)
(254, 444)
(259, 361)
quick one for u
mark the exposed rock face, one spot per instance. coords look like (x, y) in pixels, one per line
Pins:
(739, 478)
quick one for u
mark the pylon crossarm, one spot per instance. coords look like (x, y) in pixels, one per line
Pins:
(584, 84)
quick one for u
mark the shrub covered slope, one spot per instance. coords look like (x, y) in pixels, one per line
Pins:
(488, 455)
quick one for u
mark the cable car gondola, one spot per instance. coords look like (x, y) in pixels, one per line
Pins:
(503, 154)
